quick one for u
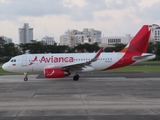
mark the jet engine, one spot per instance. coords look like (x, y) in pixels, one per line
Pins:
(55, 73)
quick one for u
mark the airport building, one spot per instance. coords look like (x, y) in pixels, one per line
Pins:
(74, 37)
(48, 40)
(111, 41)
(155, 33)
(6, 39)
(25, 34)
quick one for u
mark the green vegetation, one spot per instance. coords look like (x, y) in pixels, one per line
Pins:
(137, 69)
(2, 72)
(151, 62)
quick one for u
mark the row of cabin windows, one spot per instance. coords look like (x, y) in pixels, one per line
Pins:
(85, 59)
(90, 59)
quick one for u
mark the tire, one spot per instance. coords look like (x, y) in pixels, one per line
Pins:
(25, 79)
(76, 78)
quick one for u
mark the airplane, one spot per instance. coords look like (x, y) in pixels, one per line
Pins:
(61, 65)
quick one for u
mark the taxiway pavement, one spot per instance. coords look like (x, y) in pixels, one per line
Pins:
(90, 98)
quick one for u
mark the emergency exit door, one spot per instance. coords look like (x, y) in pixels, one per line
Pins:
(24, 61)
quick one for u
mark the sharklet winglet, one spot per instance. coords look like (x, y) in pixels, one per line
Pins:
(96, 56)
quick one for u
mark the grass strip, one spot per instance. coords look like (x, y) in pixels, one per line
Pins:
(3, 72)
(137, 69)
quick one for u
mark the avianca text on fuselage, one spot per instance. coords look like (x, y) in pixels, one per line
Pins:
(53, 59)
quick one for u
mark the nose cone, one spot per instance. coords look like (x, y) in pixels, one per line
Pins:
(5, 67)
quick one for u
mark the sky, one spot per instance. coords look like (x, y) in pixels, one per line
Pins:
(54, 17)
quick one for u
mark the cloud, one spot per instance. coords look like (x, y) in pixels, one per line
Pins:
(79, 10)
(105, 17)
(121, 4)
(33, 8)
(86, 12)
(150, 13)
(54, 17)
(40, 8)
(70, 3)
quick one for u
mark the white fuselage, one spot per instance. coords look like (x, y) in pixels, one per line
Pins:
(38, 62)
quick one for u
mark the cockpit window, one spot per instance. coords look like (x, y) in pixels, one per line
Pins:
(13, 60)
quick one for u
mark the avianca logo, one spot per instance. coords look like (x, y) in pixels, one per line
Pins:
(32, 62)
(51, 73)
(56, 59)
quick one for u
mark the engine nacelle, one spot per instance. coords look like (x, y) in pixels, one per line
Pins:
(55, 73)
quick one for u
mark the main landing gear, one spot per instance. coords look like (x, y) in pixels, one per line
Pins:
(76, 77)
(25, 76)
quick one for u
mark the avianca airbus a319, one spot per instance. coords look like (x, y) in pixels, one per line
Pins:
(61, 65)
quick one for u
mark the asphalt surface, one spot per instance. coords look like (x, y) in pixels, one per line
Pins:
(110, 96)
(147, 64)
(113, 74)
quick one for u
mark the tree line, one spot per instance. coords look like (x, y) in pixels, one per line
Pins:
(10, 50)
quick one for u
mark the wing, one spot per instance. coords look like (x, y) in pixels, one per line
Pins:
(80, 65)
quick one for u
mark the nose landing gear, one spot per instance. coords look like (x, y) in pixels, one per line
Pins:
(25, 76)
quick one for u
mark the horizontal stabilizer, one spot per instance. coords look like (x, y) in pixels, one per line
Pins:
(142, 57)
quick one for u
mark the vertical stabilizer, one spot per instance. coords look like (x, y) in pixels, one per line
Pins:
(140, 42)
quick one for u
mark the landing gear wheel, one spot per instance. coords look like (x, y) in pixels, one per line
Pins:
(25, 79)
(76, 78)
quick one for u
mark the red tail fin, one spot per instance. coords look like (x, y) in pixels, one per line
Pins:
(140, 42)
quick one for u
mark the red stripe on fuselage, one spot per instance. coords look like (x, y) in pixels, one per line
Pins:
(125, 60)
